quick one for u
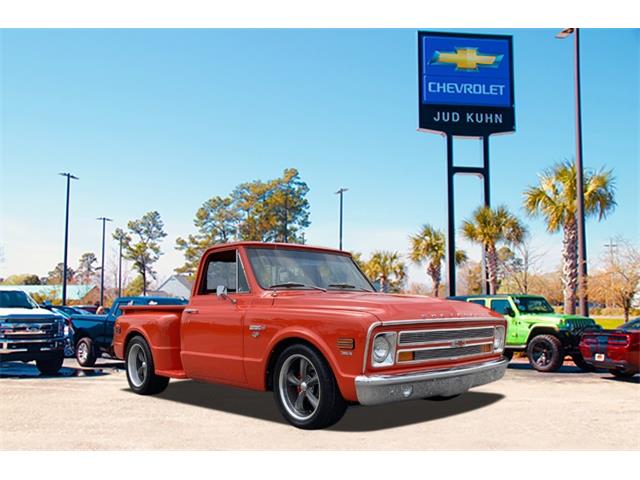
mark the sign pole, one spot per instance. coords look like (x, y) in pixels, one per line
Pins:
(451, 223)
(487, 203)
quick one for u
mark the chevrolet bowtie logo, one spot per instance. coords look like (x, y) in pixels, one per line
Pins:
(466, 59)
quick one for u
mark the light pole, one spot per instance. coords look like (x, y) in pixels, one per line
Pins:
(341, 193)
(119, 235)
(104, 221)
(66, 237)
(582, 238)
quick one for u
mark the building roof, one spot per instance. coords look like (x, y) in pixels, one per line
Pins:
(74, 292)
(183, 279)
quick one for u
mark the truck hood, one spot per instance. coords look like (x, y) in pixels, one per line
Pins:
(26, 314)
(553, 317)
(383, 306)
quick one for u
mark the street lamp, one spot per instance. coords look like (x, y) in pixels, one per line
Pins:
(582, 239)
(341, 192)
(104, 221)
(66, 237)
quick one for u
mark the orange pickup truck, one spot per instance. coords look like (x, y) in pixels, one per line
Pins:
(306, 323)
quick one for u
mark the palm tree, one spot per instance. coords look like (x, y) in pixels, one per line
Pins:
(554, 199)
(488, 227)
(429, 246)
(387, 268)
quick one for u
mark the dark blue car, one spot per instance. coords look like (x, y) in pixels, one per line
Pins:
(93, 334)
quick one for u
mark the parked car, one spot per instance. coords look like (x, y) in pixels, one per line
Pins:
(93, 334)
(533, 327)
(616, 350)
(28, 332)
(306, 323)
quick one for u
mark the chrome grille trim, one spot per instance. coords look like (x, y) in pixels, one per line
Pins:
(430, 354)
(420, 337)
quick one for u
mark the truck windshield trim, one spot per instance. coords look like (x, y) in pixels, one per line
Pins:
(322, 270)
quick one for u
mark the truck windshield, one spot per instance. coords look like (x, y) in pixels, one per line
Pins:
(533, 305)
(16, 299)
(301, 269)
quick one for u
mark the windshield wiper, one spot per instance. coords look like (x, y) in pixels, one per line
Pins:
(296, 285)
(346, 286)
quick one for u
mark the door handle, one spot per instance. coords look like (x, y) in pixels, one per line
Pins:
(256, 328)
(190, 310)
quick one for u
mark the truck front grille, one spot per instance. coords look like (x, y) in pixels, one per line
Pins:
(435, 336)
(29, 331)
(453, 352)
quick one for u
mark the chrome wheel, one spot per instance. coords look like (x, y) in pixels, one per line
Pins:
(137, 365)
(83, 352)
(299, 387)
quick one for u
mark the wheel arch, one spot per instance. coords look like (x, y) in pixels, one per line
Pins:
(543, 330)
(280, 344)
(134, 332)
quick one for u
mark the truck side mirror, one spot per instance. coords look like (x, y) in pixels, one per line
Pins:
(509, 312)
(221, 291)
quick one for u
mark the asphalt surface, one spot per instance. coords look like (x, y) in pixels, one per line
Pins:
(84, 409)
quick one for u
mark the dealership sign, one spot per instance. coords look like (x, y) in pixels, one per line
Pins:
(466, 84)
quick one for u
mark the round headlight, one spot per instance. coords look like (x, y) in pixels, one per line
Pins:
(381, 349)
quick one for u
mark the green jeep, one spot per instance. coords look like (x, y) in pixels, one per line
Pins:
(534, 327)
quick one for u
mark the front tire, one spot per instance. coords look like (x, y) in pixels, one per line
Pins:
(85, 352)
(141, 373)
(508, 355)
(545, 353)
(305, 389)
(51, 365)
(443, 398)
(619, 373)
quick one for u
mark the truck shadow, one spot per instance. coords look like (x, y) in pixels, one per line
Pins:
(565, 368)
(261, 405)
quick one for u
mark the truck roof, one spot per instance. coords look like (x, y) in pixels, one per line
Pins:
(276, 246)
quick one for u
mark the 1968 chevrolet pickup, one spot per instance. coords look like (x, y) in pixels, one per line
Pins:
(306, 323)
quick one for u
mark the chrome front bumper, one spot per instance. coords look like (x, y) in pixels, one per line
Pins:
(377, 389)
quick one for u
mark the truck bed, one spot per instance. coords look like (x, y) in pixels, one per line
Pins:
(161, 327)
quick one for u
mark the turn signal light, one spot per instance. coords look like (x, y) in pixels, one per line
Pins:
(405, 356)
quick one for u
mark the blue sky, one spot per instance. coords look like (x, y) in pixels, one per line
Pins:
(164, 119)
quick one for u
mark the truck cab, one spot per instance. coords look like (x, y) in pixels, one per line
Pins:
(535, 328)
(93, 334)
(30, 333)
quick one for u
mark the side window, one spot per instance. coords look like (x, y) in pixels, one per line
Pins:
(500, 306)
(224, 269)
(477, 301)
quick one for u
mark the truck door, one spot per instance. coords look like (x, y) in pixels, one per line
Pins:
(211, 330)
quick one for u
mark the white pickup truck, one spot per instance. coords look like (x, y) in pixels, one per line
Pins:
(28, 332)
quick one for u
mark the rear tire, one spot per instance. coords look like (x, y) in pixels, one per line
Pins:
(617, 372)
(305, 389)
(582, 364)
(545, 353)
(141, 373)
(51, 365)
(85, 352)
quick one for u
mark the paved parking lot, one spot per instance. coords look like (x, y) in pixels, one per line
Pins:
(94, 409)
